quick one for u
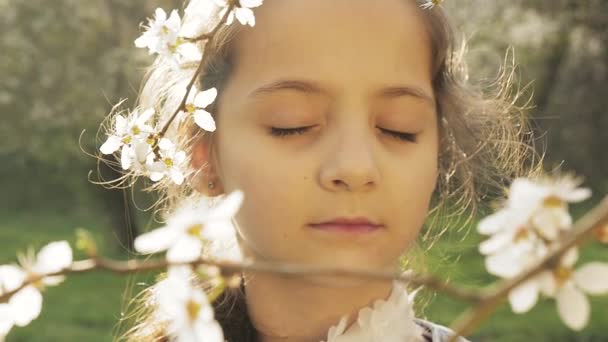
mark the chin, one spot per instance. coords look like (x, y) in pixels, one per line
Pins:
(348, 260)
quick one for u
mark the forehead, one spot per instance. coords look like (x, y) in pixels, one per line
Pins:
(336, 42)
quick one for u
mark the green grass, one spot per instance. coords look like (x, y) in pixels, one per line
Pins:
(457, 259)
(88, 307)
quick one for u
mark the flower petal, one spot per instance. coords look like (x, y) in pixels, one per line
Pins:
(524, 297)
(547, 283)
(245, 16)
(26, 305)
(494, 223)
(504, 264)
(204, 120)
(208, 330)
(577, 195)
(156, 176)
(251, 3)
(188, 52)
(160, 15)
(592, 278)
(125, 157)
(573, 307)
(54, 257)
(495, 243)
(11, 277)
(166, 144)
(205, 98)
(230, 18)
(156, 241)
(186, 249)
(176, 175)
(145, 116)
(111, 145)
(570, 257)
(120, 125)
(228, 206)
(6, 320)
(219, 230)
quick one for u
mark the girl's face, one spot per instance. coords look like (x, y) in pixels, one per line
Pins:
(351, 71)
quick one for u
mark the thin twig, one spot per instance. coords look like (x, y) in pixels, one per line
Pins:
(136, 266)
(209, 38)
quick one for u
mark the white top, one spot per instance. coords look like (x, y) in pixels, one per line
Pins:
(390, 320)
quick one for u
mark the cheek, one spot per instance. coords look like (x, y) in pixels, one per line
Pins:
(410, 197)
(274, 190)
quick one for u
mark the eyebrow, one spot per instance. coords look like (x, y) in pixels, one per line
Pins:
(309, 87)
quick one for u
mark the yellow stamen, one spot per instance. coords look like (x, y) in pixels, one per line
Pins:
(193, 309)
(126, 140)
(190, 108)
(195, 230)
(168, 162)
(553, 202)
(522, 233)
(562, 274)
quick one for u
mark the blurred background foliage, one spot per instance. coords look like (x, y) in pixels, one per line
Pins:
(65, 63)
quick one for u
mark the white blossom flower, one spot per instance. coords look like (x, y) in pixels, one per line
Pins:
(163, 36)
(535, 214)
(186, 308)
(512, 252)
(6, 320)
(190, 228)
(243, 11)
(185, 52)
(195, 104)
(137, 156)
(162, 33)
(11, 278)
(52, 258)
(127, 131)
(390, 320)
(25, 305)
(567, 286)
(172, 163)
(542, 205)
(429, 4)
(381, 318)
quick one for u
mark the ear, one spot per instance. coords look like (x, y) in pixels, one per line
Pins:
(204, 168)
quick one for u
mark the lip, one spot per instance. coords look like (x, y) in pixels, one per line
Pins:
(348, 225)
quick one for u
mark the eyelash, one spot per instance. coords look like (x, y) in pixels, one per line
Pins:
(283, 132)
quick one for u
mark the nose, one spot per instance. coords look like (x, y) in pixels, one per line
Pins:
(350, 164)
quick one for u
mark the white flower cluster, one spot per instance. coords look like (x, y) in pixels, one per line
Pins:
(193, 229)
(534, 218)
(386, 320)
(167, 36)
(242, 12)
(25, 305)
(185, 308)
(143, 148)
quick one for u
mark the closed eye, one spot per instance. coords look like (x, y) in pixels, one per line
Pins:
(283, 132)
(405, 136)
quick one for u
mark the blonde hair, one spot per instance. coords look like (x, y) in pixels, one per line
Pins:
(485, 138)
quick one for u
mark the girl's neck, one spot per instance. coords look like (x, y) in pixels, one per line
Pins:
(290, 309)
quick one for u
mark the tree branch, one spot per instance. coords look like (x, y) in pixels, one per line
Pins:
(136, 266)
(494, 295)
